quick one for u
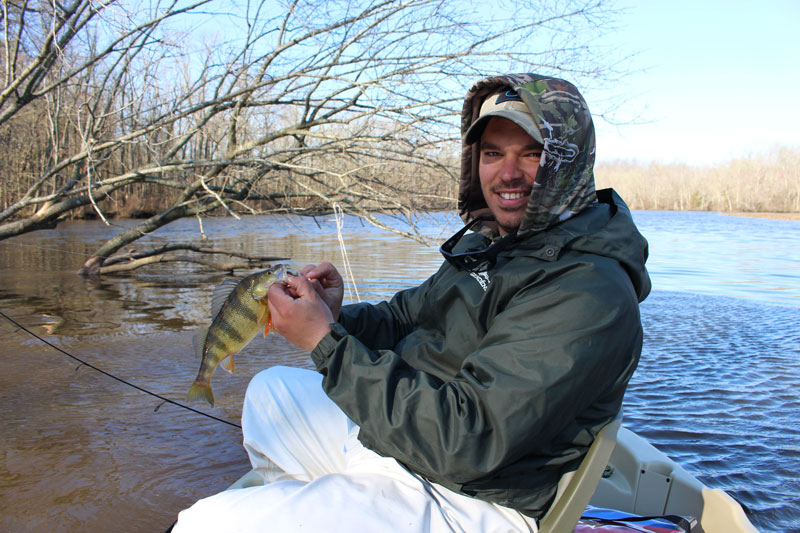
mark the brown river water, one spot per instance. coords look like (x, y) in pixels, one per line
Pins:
(717, 388)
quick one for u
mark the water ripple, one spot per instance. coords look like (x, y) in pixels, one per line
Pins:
(717, 390)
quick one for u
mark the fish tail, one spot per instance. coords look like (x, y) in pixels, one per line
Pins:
(200, 391)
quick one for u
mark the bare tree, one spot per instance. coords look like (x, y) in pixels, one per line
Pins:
(279, 106)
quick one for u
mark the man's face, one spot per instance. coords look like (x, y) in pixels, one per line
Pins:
(509, 160)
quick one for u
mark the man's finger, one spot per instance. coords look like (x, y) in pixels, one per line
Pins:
(302, 286)
(318, 287)
(306, 270)
(320, 271)
(278, 295)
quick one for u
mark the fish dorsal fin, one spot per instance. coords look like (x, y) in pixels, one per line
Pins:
(220, 294)
(227, 364)
(199, 341)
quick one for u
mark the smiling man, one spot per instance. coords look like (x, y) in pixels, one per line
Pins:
(458, 404)
(509, 161)
(510, 152)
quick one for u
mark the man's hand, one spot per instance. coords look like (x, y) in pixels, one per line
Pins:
(328, 283)
(299, 313)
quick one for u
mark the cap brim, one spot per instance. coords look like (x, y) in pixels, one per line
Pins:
(523, 120)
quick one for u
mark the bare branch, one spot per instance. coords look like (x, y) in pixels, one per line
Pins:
(228, 266)
(165, 111)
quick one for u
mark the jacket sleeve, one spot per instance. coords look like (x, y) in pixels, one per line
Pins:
(382, 325)
(546, 359)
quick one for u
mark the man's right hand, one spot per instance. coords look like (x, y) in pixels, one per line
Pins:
(298, 312)
(328, 283)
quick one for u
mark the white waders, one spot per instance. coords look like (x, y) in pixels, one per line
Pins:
(319, 478)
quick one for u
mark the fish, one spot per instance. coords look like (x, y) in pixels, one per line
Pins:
(239, 310)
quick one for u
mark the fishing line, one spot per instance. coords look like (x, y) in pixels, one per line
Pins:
(112, 376)
(339, 215)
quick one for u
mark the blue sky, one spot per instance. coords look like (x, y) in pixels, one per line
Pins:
(715, 80)
(710, 81)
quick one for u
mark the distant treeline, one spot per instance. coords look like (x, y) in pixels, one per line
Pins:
(767, 183)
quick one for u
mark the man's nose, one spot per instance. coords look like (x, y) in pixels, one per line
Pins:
(511, 169)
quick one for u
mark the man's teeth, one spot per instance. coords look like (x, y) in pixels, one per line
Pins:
(511, 195)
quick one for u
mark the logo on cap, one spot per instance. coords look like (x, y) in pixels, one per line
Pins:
(508, 96)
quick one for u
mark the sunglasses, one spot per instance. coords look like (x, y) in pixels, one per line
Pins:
(474, 260)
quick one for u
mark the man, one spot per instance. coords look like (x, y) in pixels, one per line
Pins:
(472, 394)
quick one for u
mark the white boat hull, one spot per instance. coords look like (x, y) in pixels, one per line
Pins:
(646, 482)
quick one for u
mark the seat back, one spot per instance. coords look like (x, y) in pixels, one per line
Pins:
(575, 489)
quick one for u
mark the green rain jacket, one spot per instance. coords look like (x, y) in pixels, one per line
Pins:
(495, 384)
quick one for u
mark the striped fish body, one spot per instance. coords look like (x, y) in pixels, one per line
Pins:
(239, 311)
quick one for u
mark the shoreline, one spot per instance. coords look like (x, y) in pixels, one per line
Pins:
(772, 216)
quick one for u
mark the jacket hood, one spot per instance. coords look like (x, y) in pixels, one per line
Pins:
(607, 229)
(564, 184)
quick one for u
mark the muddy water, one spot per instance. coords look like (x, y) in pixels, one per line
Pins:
(717, 388)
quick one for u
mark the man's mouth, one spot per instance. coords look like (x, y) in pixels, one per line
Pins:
(512, 195)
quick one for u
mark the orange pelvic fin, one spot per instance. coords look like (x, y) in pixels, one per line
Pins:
(227, 364)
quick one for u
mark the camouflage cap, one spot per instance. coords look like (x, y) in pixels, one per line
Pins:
(506, 104)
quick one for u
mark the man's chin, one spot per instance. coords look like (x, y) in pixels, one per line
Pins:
(508, 225)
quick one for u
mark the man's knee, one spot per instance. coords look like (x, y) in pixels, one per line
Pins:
(279, 381)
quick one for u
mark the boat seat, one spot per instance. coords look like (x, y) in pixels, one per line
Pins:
(576, 488)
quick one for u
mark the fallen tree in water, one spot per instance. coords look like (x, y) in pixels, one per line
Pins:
(134, 259)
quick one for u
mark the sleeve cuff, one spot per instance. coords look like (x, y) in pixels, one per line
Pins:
(327, 345)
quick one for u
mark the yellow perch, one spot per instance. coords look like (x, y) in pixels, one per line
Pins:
(239, 310)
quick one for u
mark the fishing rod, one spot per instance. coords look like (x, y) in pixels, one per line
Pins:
(112, 376)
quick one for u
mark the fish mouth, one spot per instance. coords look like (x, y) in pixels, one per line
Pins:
(282, 273)
(278, 274)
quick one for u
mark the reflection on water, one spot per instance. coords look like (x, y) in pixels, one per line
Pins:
(717, 388)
